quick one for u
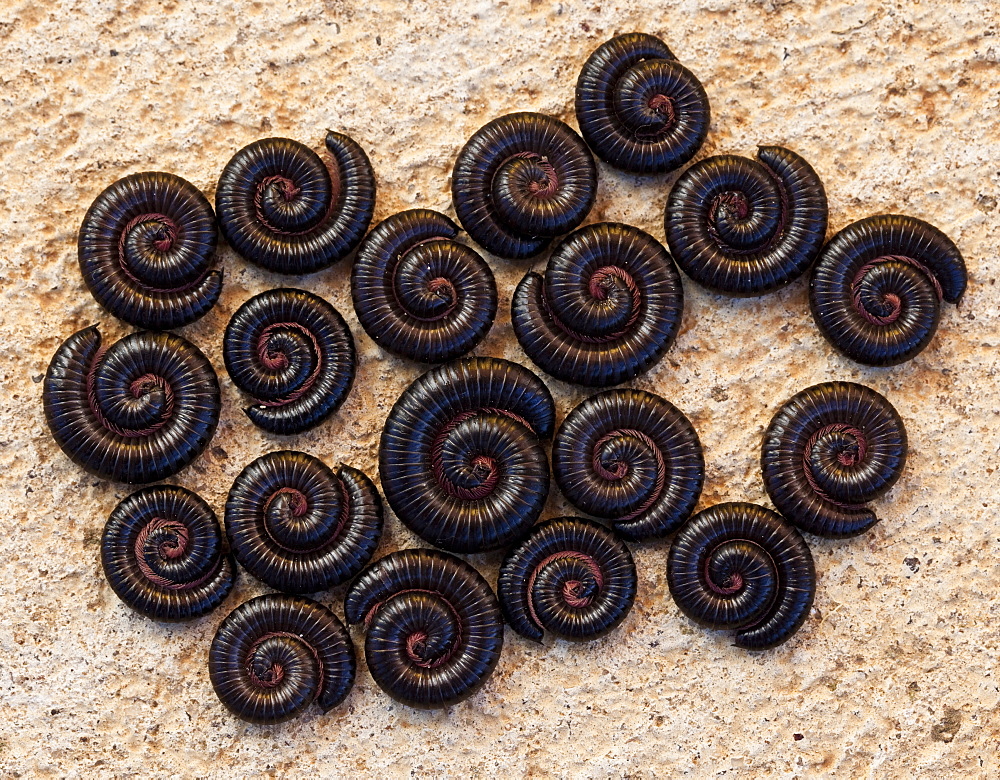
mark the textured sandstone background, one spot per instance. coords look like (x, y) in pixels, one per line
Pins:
(895, 104)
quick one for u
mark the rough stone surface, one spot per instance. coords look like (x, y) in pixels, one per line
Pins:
(895, 104)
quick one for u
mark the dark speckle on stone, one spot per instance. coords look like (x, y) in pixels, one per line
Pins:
(37, 378)
(114, 52)
(719, 394)
(948, 727)
(797, 737)
(913, 564)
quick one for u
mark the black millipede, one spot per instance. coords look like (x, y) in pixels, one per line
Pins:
(292, 352)
(137, 411)
(607, 308)
(638, 108)
(521, 180)
(434, 627)
(828, 451)
(742, 227)
(460, 459)
(282, 208)
(299, 526)
(162, 552)
(420, 293)
(632, 458)
(741, 567)
(571, 577)
(146, 248)
(275, 655)
(877, 288)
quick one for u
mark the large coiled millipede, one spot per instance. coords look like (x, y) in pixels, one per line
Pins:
(298, 526)
(162, 552)
(743, 227)
(146, 248)
(460, 459)
(521, 180)
(572, 577)
(638, 108)
(828, 451)
(877, 288)
(275, 655)
(282, 208)
(294, 354)
(741, 567)
(434, 627)
(632, 458)
(420, 293)
(607, 308)
(137, 411)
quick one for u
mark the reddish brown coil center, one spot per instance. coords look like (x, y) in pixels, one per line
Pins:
(276, 360)
(890, 299)
(621, 468)
(542, 188)
(846, 457)
(571, 589)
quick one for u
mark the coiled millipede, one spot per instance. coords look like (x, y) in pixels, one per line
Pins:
(434, 628)
(877, 288)
(146, 248)
(829, 450)
(743, 227)
(137, 411)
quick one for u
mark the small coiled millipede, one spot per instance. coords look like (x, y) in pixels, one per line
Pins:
(298, 526)
(877, 288)
(137, 411)
(420, 293)
(276, 654)
(743, 227)
(460, 458)
(630, 457)
(607, 308)
(828, 451)
(434, 627)
(741, 567)
(163, 554)
(638, 108)
(282, 208)
(572, 577)
(521, 180)
(146, 248)
(294, 354)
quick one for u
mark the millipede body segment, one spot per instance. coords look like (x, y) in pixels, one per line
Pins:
(146, 248)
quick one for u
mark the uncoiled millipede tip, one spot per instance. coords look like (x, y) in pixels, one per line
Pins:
(638, 108)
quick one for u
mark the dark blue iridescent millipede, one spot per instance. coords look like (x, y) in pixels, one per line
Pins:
(299, 526)
(747, 227)
(520, 181)
(163, 554)
(275, 655)
(292, 352)
(638, 108)
(282, 208)
(877, 288)
(434, 627)
(632, 458)
(137, 411)
(146, 249)
(607, 308)
(460, 459)
(828, 451)
(571, 577)
(420, 293)
(741, 567)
